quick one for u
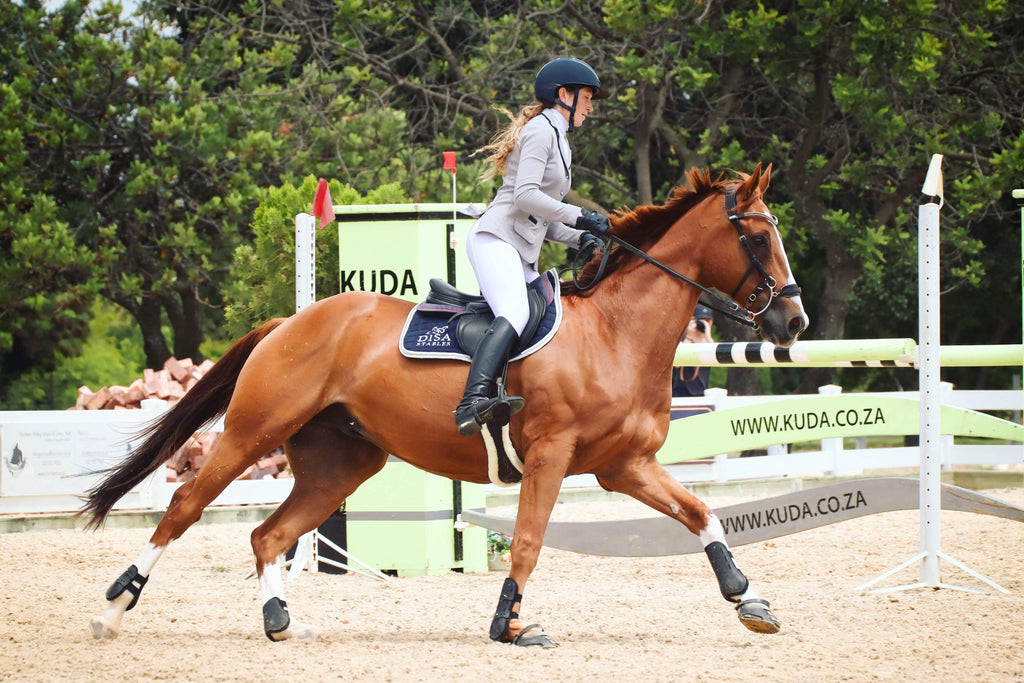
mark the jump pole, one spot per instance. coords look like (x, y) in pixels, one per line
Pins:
(929, 540)
(843, 353)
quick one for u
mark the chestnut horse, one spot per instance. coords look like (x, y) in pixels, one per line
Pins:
(330, 384)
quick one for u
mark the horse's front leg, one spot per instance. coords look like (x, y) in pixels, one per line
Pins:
(544, 469)
(651, 484)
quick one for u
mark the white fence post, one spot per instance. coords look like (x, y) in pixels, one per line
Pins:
(305, 260)
(716, 396)
(946, 441)
(833, 448)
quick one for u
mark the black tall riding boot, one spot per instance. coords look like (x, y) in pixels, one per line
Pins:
(480, 404)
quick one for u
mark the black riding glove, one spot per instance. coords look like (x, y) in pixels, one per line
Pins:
(589, 243)
(592, 221)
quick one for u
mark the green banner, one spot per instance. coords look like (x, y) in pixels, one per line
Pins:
(814, 418)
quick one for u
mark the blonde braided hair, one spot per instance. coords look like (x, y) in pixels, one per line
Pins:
(505, 140)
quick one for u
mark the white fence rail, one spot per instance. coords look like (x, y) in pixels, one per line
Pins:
(48, 455)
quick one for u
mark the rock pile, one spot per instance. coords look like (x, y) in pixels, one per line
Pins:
(169, 384)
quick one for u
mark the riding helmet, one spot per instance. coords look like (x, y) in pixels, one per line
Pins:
(566, 72)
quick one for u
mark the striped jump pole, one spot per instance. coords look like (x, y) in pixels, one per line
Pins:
(865, 353)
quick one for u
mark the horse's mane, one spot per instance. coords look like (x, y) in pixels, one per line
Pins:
(644, 225)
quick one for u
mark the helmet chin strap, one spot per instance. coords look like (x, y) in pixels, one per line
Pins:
(571, 109)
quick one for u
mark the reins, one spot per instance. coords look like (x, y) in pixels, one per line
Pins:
(725, 305)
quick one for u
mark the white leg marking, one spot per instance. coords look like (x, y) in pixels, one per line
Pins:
(272, 586)
(108, 624)
(148, 557)
(712, 531)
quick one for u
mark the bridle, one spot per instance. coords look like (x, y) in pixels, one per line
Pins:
(768, 283)
(725, 305)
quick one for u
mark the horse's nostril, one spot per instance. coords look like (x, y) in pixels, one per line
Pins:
(796, 325)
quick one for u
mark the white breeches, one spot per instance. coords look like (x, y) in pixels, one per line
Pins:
(502, 276)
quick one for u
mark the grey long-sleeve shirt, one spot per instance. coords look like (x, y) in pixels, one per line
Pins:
(528, 207)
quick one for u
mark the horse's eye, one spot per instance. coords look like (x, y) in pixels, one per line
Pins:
(760, 241)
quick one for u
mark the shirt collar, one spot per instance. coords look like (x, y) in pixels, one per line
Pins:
(559, 121)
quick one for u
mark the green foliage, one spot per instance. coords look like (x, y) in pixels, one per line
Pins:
(262, 285)
(110, 355)
(158, 160)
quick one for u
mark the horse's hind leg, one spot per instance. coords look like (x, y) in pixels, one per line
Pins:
(227, 461)
(651, 484)
(328, 466)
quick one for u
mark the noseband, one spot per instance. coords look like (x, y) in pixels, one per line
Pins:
(741, 314)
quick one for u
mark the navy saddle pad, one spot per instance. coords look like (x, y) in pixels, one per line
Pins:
(430, 328)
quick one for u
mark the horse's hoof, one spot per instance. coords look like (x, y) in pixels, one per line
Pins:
(296, 630)
(536, 640)
(278, 624)
(756, 614)
(100, 630)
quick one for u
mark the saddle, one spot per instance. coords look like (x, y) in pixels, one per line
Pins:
(450, 323)
(476, 315)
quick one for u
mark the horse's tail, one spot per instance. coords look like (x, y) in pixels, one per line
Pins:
(205, 402)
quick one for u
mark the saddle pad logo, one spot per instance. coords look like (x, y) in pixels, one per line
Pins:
(435, 337)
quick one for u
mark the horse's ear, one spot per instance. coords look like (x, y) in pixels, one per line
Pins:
(766, 178)
(750, 184)
(756, 183)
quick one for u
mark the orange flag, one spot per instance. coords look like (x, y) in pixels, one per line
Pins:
(323, 207)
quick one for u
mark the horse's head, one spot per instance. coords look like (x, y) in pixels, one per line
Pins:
(727, 239)
(755, 271)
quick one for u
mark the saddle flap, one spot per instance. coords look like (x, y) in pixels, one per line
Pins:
(471, 325)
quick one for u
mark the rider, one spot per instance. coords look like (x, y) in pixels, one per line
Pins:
(533, 156)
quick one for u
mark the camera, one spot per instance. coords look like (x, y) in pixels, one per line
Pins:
(701, 326)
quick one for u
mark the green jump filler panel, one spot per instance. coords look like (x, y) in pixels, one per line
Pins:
(395, 249)
(402, 522)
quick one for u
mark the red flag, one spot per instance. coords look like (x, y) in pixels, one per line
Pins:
(323, 207)
(449, 161)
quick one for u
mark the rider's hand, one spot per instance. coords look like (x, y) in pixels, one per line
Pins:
(589, 243)
(592, 221)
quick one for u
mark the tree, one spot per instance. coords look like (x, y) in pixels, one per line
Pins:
(153, 140)
(46, 276)
(152, 156)
(850, 101)
(264, 283)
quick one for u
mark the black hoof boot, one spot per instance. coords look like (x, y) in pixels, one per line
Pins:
(275, 618)
(510, 595)
(756, 614)
(128, 581)
(731, 581)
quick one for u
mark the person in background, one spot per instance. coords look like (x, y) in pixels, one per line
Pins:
(692, 381)
(532, 155)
